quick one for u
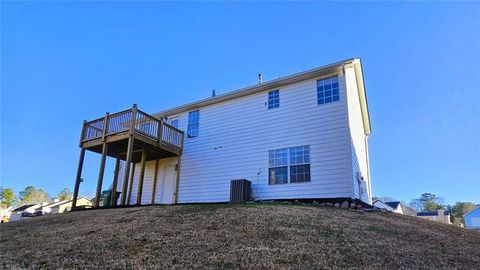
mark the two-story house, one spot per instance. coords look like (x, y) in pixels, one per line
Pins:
(303, 136)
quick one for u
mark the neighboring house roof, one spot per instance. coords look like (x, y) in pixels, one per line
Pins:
(471, 211)
(64, 202)
(378, 201)
(426, 214)
(54, 204)
(381, 204)
(22, 208)
(409, 211)
(394, 205)
(69, 201)
(309, 74)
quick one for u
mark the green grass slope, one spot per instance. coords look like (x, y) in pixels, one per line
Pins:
(247, 236)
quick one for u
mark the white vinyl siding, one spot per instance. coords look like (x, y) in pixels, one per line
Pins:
(472, 219)
(358, 140)
(237, 134)
(147, 180)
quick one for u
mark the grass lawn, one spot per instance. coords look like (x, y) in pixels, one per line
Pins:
(245, 236)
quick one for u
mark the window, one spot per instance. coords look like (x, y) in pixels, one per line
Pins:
(289, 165)
(278, 166)
(174, 121)
(193, 124)
(273, 99)
(299, 164)
(327, 90)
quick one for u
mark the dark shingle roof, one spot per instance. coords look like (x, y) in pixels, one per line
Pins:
(394, 205)
(21, 208)
(426, 214)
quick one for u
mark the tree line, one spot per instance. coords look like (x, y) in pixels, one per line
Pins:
(430, 202)
(31, 195)
(426, 202)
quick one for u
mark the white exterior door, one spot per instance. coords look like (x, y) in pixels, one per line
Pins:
(167, 185)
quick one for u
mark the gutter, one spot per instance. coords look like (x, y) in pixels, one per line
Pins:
(312, 73)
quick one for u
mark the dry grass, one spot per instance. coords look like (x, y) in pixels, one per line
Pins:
(252, 236)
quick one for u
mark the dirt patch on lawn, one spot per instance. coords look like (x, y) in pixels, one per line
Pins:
(251, 236)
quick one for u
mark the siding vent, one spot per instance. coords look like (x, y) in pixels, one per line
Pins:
(240, 190)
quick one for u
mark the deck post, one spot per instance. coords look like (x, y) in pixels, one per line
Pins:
(177, 181)
(101, 173)
(78, 179)
(126, 174)
(113, 201)
(105, 127)
(154, 188)
(182, 141)
(128, 159)
(82, 134)
(160, 131)
(130, 185)
(134, 118)
(140, 178)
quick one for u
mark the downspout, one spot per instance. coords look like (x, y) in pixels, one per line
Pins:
(368, 171)
(179, 165)
(177, 180)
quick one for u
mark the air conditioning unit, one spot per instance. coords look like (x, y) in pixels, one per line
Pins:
(363, 187)
(240, 190)
(362, 184)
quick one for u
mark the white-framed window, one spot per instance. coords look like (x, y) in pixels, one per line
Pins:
(327, 90)
(273, 99)
(300, 164)
(289, 165)
(174, 122)
(193, 124)
(278, 166)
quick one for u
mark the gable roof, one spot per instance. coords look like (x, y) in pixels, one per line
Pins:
(394, 205)
(53, 204)
(473, 210)
(305, 75)
(22, 208)
(386, 206)
(380, 202)
(57, 204)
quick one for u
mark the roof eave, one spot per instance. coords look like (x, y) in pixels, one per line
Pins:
(309, 74)
(362, 96)
(471, 211)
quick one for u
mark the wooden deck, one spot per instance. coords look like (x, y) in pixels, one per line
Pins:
(157, 138)
(132, 136)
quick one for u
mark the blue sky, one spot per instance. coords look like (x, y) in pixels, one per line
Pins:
(63, 62)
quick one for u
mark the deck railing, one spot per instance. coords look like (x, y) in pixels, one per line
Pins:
(136, 121)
